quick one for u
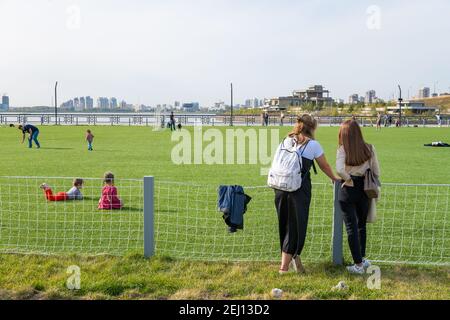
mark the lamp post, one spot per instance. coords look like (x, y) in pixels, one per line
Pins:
(56, 103)
(231, 119)
(400, 100)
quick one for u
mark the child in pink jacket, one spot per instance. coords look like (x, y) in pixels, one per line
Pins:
(109, 199)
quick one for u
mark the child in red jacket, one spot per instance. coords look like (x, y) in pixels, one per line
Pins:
(109, 199)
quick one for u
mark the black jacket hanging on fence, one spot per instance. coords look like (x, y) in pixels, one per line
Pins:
(233, 204)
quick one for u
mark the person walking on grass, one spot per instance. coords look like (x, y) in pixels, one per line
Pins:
(33, 134)
(354, 158)
(89, 139)
(293, 207)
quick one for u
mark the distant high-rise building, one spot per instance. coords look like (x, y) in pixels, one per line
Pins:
(353, 99)
(77, 105)
(4, 106)
(113, 103)
(252, 103)
(68, 105)
(89, 103)
(123, 104)
(82, 103)
(424, 92)
(103, 103)
(371, 96)
(191, 107)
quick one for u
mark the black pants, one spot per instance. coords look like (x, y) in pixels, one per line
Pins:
(355, 206)
(293, 212)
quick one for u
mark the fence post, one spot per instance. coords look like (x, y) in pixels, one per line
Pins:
(149, 235)
(337, 249)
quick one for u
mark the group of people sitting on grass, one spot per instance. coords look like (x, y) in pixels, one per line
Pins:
(109, 199)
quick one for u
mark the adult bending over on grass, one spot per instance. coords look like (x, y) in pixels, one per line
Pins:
(109, 199)
(293, 207)
(33, 132)
(354, 158)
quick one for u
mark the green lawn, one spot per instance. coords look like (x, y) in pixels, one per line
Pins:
(412, 226)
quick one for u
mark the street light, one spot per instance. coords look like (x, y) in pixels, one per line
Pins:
(231, 120)
(56, 103)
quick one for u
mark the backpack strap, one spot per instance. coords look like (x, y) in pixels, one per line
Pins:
(313, 162)
(314, 167)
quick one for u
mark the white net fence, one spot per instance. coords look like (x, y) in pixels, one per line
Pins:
(411, 228)
(412, 225)
(29, 223)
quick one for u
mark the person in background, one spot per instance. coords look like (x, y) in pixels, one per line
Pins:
(379, 119)
(33, 132)
(73, 194)
(282, 116)
(293, 207)
(109, 199)
(439, 120)
(89, 139)
(354, 158)
(172, 123)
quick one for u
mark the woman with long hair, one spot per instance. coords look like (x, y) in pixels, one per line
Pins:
(293, 207)
(354, 158)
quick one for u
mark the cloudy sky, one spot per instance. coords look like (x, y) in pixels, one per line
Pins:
(159, 51)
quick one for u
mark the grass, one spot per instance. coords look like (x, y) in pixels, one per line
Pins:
(132, 277)
(190, 228)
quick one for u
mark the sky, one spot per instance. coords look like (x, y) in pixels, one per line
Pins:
(161, 51)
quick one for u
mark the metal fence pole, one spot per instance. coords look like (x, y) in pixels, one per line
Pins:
(337, 249)
(149, 235)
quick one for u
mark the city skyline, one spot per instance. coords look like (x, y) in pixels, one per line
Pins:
(168, 51)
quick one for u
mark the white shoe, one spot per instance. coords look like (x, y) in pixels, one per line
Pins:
(44, 186)
(355, 269)
(366, 264)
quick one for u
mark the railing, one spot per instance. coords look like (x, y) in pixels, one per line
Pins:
(161, 120)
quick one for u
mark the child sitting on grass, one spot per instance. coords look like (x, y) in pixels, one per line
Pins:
(73, 194)
(109, 199)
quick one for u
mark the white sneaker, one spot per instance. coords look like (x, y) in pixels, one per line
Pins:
(355, 269)
(366, 264)
(44, 186)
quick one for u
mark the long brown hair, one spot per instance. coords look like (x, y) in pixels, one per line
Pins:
(305, 126)
(357, 151)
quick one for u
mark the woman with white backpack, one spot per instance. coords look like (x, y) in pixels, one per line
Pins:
(290, 177)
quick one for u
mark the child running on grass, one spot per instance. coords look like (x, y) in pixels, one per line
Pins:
(109, 199)
(89, 139)
(73, 194)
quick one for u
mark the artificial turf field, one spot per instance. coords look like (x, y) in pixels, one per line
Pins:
(188, 227)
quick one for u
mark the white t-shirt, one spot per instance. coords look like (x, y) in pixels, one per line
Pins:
(311, 151)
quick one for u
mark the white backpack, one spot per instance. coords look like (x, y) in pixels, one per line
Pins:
(286, 171)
